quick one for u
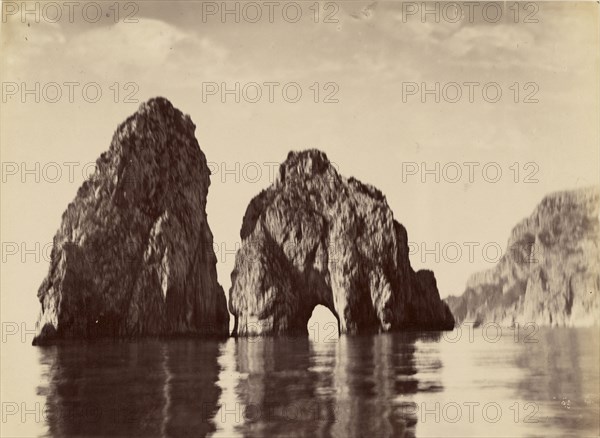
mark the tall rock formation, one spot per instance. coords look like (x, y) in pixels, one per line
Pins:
(134, 255)
(550, 274)
(315, 237)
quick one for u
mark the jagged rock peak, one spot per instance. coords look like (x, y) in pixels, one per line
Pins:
(156, 110)
(304, 164)
(133, 255)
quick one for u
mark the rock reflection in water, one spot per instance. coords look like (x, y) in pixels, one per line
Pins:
(383, 385)
(352, 387)
(561, 373)
(147, 388)
(355, 386)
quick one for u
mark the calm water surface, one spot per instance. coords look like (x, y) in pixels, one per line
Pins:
(403, 385)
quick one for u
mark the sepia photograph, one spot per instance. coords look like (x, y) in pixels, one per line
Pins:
(304, 218)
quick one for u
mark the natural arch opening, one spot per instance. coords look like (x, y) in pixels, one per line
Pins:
(323, 325)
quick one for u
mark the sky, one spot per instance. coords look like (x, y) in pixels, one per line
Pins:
(370, 63)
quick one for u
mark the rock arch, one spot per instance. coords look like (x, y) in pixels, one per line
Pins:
(315, 237)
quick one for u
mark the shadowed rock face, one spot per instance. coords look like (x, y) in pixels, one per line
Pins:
(315, 237)
(550, 273)
(133, 255)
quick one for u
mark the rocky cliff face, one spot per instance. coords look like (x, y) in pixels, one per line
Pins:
(133, 255)
(550, 273)
(315, 237)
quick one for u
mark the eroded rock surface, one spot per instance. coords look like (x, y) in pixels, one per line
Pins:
(315, 237)
(550, 273)
(134, 255)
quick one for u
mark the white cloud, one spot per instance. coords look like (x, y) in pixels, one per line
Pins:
(23, 44)
(118, 52)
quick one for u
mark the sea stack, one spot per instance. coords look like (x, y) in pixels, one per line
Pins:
(314, 237)
(133, 255)
(550, 273)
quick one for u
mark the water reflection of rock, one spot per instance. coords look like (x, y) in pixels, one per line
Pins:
(357, 386)
(560, 380)
(132, 389)
(284, 389)
(380, 374)
(193, 393)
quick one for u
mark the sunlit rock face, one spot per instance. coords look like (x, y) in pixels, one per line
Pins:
(550, 273)
(134, 255)
(315, 237)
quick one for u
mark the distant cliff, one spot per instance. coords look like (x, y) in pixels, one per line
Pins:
(550, 273)
(315, 237)
(133, 255)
